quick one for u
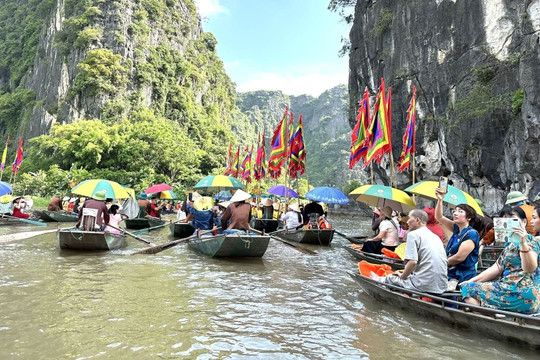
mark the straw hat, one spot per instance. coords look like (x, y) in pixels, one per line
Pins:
(240, 195)
(267, 202)
(66, 198)
(276, 206)
(387, 211)
(294, 207)
(225, 204)
(203, 203)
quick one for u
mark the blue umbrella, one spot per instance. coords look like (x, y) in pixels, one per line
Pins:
(282, 190)
(327, 195)
(223, 195)
(5, 188)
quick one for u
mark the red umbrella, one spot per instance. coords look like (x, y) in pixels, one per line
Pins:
(158, 188)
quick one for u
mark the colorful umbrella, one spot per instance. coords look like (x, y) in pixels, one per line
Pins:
(327, 195)
(282, 190)
(218, 182)
(454, 196)
(168, 195)
(5, 188)
(158, 188)
(380, 196)
(223, 195)
(89, 187)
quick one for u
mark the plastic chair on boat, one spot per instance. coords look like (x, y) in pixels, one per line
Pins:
(89, 218)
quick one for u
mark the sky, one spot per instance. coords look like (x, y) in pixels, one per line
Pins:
(287, 45)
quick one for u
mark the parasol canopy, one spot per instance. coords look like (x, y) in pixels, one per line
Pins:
(5, 188)
(223, 195)
(219, 182)
(381, 195)
(454, 196)
(158, 188)
(283, 191)
(112, 189)
(328, 195)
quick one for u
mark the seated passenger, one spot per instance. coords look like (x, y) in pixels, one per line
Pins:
(513, 282)
(462, 248)
(18, 207)
(293, 217)
(55, 204)
(238, 213)
(203, 218)
(387, 236)
(426, 264)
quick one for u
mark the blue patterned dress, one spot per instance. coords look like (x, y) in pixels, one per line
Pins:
(516, 290)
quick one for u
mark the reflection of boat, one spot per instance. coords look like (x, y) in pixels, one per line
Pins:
(501, 325)
(396, 264)
(181, 230)
(268, 225)
(143, 223)
(231, 245)
(58, 216)
(309, 236)
(76, 239)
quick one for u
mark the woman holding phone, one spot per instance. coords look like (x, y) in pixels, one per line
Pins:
(518, 287)
(462, 248)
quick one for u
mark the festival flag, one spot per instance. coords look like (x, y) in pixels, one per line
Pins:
(409, 139)
(234, 164)
(358, 136)
(228, 166)
(297, 164)
(4, 156)
(388, 147)
(279, 147)
(259, 171)
(244, 162)
(18, 159)
(377, 138)
(246, 166)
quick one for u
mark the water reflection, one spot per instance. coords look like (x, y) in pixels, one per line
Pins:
(180, 304)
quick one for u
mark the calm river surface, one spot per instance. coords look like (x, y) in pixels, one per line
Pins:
(181, 305)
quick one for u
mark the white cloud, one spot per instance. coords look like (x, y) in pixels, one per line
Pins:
(312, 84)
(210, 7)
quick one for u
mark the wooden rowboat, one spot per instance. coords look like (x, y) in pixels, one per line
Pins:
(499, 324)
(41, 215)
(231, 245)
(181, 230)
(76, 239)
(61, 216)
(266, 225)
(309, 236)
(143, 223)
(396, 264)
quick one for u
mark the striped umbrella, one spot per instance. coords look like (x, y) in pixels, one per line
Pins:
(112, 189)
(380, 196)
(218, 182)
(454, 196)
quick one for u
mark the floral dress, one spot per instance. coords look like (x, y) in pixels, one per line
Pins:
(516, 290)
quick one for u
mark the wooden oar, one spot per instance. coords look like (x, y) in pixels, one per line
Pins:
(159, 248)
(24, 220)
(132, 235)
(26, 235)
(296, 246)
(351, 238)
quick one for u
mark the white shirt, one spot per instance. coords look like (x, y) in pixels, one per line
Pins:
(291, 219)
(391, 237)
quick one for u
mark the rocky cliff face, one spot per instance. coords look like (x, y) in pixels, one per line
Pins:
(475, 65)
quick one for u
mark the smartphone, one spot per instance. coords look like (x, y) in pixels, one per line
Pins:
(443, 184)
(504, 230)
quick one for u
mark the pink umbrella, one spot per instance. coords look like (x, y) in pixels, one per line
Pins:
(158, 188)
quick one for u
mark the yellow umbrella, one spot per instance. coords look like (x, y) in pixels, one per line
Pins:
(112, 189)
(454, 196)
(380, 196)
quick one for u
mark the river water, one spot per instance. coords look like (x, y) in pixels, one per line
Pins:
(181, 305)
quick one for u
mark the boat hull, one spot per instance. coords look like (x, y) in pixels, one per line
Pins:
(181, 230)
(309, 236)
(266, 225)
(142, 223)
(396, 264)
(60, 216)
(521, 329)
(74, 239)
(231, 245)
(41, 215)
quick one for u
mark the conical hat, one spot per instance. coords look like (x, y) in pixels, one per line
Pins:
(294, 207)
(267, 202)
(240, 195)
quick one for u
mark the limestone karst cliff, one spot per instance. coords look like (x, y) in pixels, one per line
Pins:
(475, 65)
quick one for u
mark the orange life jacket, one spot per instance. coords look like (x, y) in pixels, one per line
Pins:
(323, 224)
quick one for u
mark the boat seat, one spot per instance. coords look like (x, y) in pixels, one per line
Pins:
(89, 219)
